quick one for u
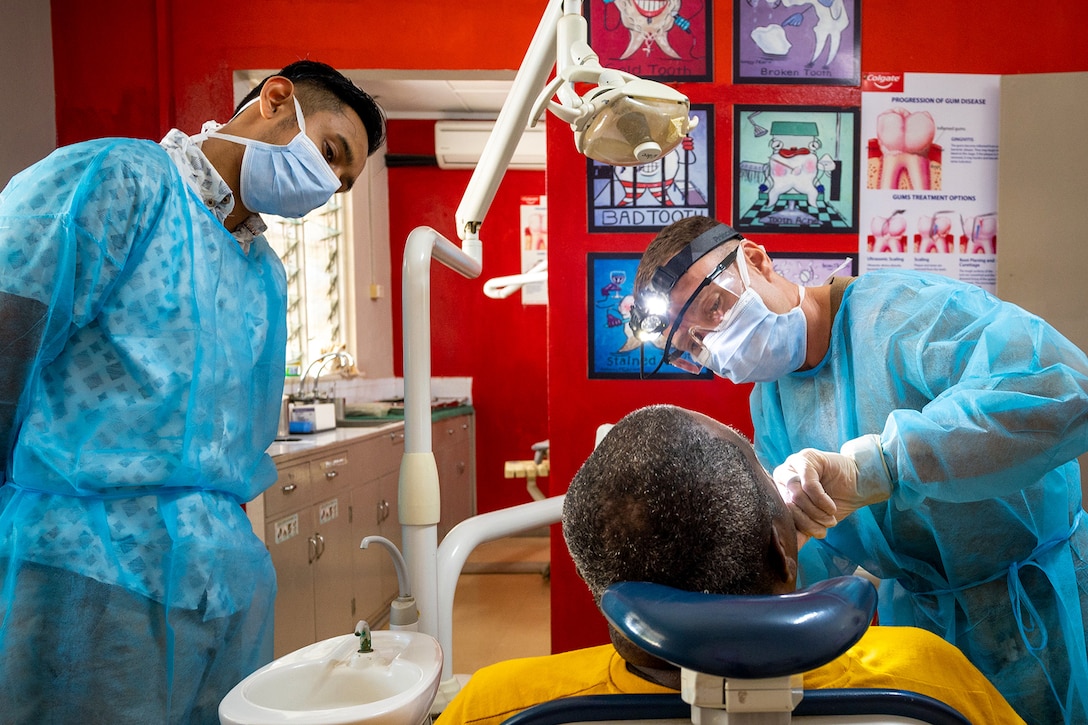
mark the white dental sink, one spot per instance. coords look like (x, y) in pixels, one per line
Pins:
(330, 683)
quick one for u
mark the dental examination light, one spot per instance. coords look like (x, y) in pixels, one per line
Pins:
(620, 120)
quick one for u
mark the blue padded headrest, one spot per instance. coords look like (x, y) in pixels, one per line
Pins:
(744, 636)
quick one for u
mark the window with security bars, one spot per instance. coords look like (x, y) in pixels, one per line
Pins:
(313, 252)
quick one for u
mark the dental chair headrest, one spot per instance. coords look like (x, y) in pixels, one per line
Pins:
(743, 636)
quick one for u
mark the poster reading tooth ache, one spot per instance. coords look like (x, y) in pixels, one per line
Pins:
(929, 145)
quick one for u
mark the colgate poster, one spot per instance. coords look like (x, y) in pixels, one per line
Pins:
(929, 149)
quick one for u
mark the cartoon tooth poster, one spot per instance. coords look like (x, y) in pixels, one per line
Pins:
(647, 197)
(796, 41)
(664, 40)
(796, 169)
(929, 148)
(614, 350)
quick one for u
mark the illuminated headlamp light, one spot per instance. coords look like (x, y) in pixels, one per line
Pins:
(650, 315)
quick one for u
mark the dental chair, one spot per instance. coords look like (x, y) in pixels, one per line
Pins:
(741, 659)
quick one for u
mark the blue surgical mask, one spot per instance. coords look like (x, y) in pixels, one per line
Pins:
(753, 344)
(288, 181)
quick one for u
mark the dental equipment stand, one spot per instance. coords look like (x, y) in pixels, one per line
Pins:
(620, 120)
(419, 502)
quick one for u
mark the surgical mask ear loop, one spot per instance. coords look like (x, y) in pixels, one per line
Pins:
(845, 263)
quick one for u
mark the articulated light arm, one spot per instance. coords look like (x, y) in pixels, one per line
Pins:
(623, 120)
(509, 127)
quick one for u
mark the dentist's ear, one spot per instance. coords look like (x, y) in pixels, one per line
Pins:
(276, 97)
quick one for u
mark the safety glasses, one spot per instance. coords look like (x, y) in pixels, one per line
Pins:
(707, 308)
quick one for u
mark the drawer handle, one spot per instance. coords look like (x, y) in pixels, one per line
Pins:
(313, 549)
(449, 431)
(289, 487)
(460, 466)
(330, 474)
(394, 437)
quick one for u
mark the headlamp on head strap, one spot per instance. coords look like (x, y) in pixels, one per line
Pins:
(650, 313)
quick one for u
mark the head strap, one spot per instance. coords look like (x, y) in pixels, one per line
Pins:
(666, 277)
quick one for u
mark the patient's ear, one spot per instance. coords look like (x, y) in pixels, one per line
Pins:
(782, 561)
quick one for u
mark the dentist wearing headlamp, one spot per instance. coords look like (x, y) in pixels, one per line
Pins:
(920, 428)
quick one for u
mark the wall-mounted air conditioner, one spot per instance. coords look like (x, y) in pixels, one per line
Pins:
(458, 145)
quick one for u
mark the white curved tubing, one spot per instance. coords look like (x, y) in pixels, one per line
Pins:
(502, 287)
(466, 536)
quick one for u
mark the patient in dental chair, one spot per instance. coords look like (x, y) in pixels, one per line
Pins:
(673, 497)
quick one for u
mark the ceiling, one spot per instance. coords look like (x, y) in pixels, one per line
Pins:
(411, 94)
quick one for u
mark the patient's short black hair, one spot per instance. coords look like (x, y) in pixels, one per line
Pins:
(662, 499)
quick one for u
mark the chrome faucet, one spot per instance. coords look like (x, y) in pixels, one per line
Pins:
(362, 631)
(343, 357)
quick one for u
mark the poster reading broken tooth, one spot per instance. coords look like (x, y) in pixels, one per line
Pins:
(797, 41)
(929, 145)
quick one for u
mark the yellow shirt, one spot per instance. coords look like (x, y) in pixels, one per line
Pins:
(903, 658)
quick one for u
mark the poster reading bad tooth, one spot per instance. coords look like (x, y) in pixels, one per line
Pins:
(929, 155)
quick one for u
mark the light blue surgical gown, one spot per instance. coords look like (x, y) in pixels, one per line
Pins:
(143, 358)
(982, 409)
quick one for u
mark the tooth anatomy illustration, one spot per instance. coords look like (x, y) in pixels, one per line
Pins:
(905, 142)
(888, 234)
(980, 234)
(935, 234)
(649, 23)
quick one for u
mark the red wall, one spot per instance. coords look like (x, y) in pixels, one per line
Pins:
(501, 344)
(137, 68)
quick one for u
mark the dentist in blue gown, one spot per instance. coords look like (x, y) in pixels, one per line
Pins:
(923, 429)
(142, 336)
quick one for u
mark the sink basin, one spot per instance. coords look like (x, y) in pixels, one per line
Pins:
(330, 683)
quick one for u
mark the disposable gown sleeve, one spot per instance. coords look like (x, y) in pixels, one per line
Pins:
(67, 226)
(1008, 397)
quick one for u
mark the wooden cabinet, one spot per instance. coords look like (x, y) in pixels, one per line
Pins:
(454, 442)
(325, 502)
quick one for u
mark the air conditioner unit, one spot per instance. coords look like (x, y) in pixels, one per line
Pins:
(458, 145)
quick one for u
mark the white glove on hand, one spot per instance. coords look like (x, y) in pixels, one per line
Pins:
(822, 488)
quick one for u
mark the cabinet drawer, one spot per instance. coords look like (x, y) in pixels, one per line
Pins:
(381, 454)
(451, 432)
(332, 472)
(291, 490)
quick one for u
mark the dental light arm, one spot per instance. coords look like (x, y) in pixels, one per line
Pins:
(650, 120)
(623, 120)
(509, 127)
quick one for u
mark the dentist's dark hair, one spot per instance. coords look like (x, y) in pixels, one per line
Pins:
(667, 243)
(663, 500)
(323, 88)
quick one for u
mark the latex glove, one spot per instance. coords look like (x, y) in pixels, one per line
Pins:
(822, 488)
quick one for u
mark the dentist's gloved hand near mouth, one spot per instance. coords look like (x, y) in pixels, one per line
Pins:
(822, 488)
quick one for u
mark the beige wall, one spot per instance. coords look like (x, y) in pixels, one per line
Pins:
(372, 270)
(28, 128)
(1042, 251)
